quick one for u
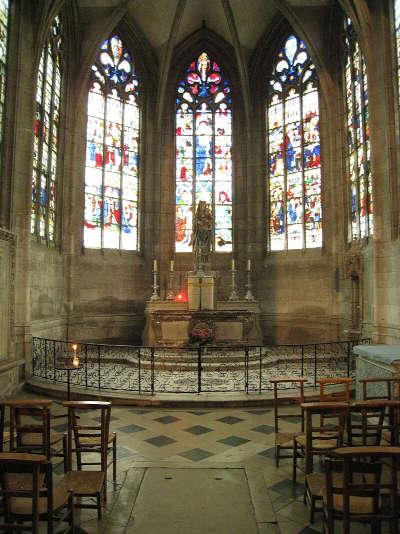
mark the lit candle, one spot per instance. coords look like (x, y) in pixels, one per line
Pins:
(249, 264)
(171, 265)
(233, 265)
(75, 359)
(155, 266)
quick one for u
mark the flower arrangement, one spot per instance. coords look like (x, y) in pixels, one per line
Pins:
(201, 333)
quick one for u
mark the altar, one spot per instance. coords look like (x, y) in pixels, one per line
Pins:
(170, 324)
(201, 318)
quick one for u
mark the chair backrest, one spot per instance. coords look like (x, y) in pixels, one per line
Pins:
(334, 389)
(325, 423)
(88, 436)
(380, 388)
(362, 478)
(370, 418)
(2, 419)
(25, 479)
(30, 425)
(298, 385)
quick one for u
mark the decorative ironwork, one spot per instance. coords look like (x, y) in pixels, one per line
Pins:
(148, 370)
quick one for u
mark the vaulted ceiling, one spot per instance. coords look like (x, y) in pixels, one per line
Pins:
(240, 22)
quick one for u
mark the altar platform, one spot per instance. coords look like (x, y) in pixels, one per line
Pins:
(234, 323)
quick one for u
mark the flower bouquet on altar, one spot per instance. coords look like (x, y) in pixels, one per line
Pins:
(201, 334)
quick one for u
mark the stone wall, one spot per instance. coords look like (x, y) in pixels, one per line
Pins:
(304, 296)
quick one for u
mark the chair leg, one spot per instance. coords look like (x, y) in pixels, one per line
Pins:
(99, 504)
(65, 453)
(71, 514)
(115, 459)
(294, 471)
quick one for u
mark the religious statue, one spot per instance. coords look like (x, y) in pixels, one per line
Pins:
(202, 234)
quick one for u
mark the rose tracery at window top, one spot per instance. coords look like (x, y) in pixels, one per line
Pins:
(294, 185)
(112, 151)
(203, 152)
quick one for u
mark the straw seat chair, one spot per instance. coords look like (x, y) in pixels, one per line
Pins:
(358, 495)
(325, 425)
(28, 496)
(30, 429)
(284, 440)
(85, 439)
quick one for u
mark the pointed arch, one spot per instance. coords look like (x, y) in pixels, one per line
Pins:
(112, 150)
(358, 151)
(293, 140)
(46, 134)
(203, 151)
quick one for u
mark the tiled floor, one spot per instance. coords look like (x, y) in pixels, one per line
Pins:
(226, 440)
(218, 438)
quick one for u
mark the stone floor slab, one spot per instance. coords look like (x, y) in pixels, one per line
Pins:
(178, 501)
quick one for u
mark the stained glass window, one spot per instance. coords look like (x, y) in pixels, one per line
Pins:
(3, 58)
(203, 152)
(46, 130)
(358, 144)
(295, 218)
(112, 151)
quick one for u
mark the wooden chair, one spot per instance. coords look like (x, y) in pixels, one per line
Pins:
(358, 495)
(334, 389)
(28, 495)
(370, 420)
(390, 386)
(91, 438)
(4, 434)
(325, 425)
(30, 429)
(284, 440)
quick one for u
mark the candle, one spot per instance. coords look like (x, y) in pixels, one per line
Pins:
(233, 265)
(171, 265)
(75, 359)
(249, 264)
(155, 266)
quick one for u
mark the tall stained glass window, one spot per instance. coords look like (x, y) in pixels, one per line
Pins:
(295, 218)
(112, 151)
(46, 133)
(3, 58)
(203, 152)
(358, 144)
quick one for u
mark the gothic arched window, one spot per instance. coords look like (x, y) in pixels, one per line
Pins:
(46, 133)
(112, 151)
(3, 58)
(203, 152)
(295, 219)
(358, 144)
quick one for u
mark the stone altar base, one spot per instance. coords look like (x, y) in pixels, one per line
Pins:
(234, 323)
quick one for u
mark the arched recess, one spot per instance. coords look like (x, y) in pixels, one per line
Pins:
(146, 70)
(264, 61)
(203, 40)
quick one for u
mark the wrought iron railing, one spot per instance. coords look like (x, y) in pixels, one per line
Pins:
(149, 370)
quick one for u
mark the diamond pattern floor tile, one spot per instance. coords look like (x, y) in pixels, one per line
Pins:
(196, 454)
(229, 420)
(160, 441)
(233, 441)
(198, 430)
(167, 419)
